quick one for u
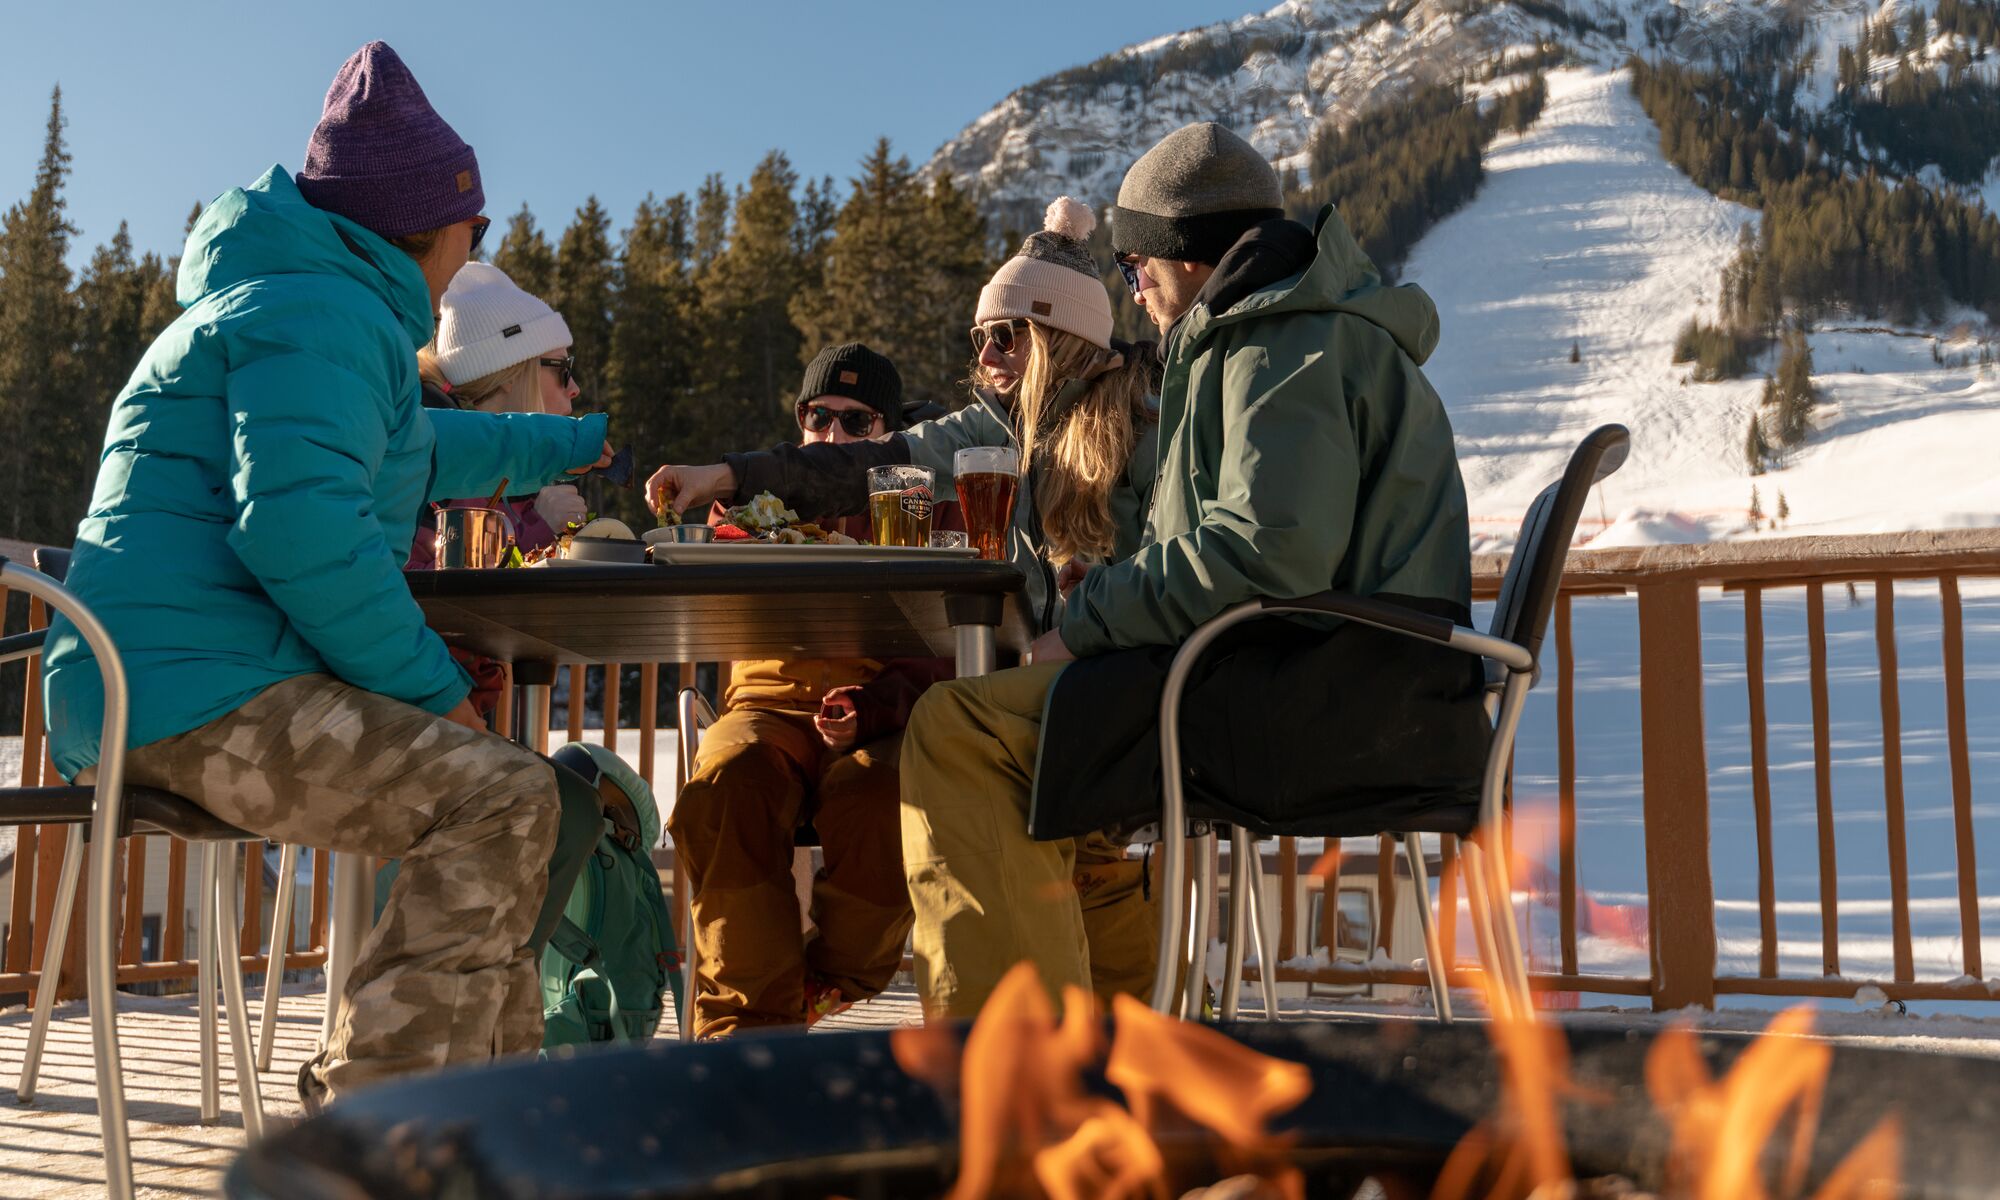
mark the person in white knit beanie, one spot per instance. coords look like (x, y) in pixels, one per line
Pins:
(500, 349)
(1081, 399)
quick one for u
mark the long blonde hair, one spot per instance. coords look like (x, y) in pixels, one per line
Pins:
(1088, 447)
(509, 389)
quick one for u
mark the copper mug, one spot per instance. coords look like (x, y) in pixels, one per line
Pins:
(472, 537)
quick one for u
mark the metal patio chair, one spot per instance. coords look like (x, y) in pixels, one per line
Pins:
(102, 812)
(1511, 650)
(695, 715)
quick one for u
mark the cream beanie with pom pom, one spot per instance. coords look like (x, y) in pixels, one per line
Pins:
(1052, 280)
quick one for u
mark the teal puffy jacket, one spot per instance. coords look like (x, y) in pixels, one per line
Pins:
(262, 477)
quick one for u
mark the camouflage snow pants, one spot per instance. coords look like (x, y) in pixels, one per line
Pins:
(447, 975)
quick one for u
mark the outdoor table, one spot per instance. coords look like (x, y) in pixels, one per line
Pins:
(540, 619)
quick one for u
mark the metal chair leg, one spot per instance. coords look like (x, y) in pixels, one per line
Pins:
(229, 964)
(1200, 926)
(1236, 937)
(205, 971)
(52, 958)
(1420, 884)
(1500, 994)
(694, 715)
(281, 945)
(1267, 947)
(353, 903)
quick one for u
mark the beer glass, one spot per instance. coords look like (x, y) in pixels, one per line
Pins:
(899, 505)
(987, 478)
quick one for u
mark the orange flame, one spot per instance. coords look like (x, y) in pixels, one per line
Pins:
(1024, 1114)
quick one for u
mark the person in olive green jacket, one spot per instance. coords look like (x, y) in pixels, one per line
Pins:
(1302, 449)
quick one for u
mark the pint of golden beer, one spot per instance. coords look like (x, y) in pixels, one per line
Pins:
(900, 503)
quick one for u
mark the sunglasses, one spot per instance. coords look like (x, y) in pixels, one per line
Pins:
(1000, 333)
(565, 368)
(1130, 270)
(818, 418)
(479, 227)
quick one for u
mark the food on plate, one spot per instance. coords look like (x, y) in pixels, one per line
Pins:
(608, 527)
(766, 519)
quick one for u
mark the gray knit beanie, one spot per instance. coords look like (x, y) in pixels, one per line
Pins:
(1189, 198)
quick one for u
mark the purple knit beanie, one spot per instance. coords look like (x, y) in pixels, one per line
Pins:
(382, 157)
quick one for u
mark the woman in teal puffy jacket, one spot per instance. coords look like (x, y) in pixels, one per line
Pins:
(261, 480)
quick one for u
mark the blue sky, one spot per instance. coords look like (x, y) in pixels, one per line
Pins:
(173, 103)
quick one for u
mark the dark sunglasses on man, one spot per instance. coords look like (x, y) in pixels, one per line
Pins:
(1000, 333)
(818, 418)
(479, 227)
(565, 368)
(1129, 268)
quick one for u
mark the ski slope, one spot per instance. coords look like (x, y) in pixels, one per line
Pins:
(1583, 234)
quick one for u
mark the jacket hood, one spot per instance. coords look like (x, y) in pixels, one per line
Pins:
(268, 229)
(1340, 278)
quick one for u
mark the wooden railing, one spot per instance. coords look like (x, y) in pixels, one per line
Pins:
(1672, 586)
(1670, 583)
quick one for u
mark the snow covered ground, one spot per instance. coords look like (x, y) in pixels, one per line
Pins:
(1585, 235)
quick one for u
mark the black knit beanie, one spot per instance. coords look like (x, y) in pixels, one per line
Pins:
(858, 373)
(1191, 196)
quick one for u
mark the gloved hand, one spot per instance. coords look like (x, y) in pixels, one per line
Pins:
(558, 504)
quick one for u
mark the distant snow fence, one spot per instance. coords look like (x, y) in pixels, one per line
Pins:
(1753, 773)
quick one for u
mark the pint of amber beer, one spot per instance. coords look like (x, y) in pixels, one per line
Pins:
(900, 503)
(987, 478)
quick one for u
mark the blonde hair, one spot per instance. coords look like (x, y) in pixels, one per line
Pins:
(509, 389)
(1088, 447)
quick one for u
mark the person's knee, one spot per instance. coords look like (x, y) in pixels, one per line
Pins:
(734, 784)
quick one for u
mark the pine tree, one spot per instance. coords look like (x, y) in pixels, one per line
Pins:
(37, 331)
(162, 301)
(525, 256)
(1756, 506)
(750, 361)
(711, 222)
(585, 283)
(1576, 352)
(1784, 509)
(958, 253)
(650, 376)
(1793, 388)
(112, 300)
(1756, 450)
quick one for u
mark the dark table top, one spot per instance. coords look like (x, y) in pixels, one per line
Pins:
(725, 613)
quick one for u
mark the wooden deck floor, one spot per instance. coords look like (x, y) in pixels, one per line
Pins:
(51, 1148)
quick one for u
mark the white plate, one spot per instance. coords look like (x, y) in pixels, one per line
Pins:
(699, 554)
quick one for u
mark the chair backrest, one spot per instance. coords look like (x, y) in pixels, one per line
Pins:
(1534, 573)
(52, 561)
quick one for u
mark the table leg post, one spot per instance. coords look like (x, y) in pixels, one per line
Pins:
(975, 622)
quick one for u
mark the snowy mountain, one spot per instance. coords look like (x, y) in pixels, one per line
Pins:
(1582, 234)
(1275, 76)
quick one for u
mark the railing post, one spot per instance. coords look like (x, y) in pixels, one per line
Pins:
(1682, 907)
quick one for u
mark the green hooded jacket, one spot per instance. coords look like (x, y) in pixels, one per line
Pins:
(1301, 450)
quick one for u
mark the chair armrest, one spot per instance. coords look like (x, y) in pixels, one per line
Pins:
(22, 645)
(1396, 618)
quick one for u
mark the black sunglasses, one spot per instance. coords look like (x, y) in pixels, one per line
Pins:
(479, 227)
(818, 418)
(1000, 333)
(565, 368)
(1130, 270)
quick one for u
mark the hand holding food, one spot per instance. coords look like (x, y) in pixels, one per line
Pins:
(679, 489)
(559, 504)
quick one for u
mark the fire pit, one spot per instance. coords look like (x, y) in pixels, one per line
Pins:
(835, 1115)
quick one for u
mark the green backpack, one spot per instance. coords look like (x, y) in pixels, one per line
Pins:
(612, 958)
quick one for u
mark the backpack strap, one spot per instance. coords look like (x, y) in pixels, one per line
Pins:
(574, 944)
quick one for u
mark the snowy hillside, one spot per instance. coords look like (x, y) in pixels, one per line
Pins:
(1584, 235)
(1274, 76)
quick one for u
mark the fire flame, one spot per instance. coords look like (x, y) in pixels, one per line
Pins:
(1718, 1128)
(1025, 1115)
